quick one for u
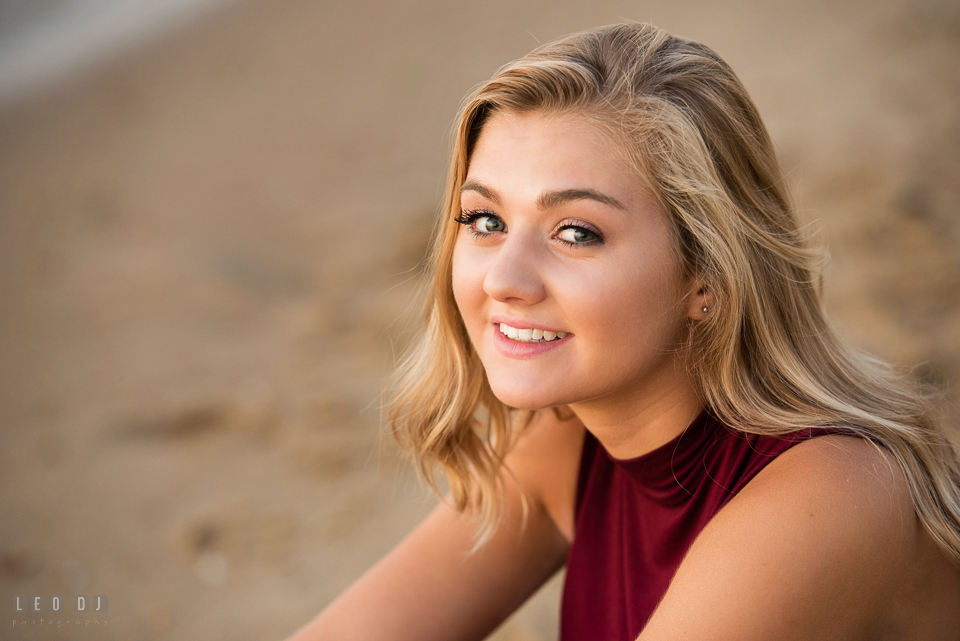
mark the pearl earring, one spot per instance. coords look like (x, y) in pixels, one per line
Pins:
(705, 309)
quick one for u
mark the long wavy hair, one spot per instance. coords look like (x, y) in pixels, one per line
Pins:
(765, 360)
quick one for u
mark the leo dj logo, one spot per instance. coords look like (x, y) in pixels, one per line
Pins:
(84, 611)
(58, 604)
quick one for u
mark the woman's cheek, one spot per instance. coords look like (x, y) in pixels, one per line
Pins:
(467, 283)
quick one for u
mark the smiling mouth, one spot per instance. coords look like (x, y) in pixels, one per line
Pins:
(530, 335)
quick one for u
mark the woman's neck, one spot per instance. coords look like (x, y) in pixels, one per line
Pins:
(630, 425)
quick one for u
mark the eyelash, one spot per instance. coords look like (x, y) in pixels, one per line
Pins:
(467, 218)
(580, 224)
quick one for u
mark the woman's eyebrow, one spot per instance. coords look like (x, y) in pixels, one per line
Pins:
(486, 192)
(549, 199)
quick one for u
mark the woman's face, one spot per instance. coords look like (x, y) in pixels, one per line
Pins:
(565, 270)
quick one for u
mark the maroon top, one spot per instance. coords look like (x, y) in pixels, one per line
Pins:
(637, 518)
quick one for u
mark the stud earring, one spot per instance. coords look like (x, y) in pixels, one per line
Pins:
(705, 309)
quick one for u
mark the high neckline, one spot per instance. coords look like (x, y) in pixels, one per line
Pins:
(678, 463)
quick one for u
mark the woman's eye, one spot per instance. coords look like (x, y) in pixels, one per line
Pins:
(488, 224)
(577, 235)
(480, 223)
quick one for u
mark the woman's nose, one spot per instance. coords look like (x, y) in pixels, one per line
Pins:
(514, 273)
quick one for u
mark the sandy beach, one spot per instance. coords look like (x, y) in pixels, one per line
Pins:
(209, 261)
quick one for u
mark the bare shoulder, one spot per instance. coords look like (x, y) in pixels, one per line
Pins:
(846, 481)
(545, 462)
(823, 543)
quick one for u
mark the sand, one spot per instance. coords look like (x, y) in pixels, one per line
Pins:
(208, 247)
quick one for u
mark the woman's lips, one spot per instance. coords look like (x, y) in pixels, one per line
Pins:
(530, 335)
(520, 349)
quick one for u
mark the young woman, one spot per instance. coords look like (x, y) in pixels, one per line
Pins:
(618, 254)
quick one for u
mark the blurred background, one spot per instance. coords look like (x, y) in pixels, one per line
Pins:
(212, 214)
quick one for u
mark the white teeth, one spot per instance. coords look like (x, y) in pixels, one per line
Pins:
(530, 335)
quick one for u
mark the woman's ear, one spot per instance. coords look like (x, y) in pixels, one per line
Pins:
(700, 302)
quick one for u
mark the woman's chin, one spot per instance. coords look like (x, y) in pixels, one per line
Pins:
(527, 399)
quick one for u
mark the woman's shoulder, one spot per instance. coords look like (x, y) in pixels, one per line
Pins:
(823, 543)
(545, 461)
(836, 466)
(843, 488)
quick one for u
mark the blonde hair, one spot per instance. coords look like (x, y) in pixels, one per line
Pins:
(765, 359)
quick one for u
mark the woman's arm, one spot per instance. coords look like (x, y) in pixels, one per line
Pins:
(432, 587)
(815, 547)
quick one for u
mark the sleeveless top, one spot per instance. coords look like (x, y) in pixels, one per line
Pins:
(636, 519)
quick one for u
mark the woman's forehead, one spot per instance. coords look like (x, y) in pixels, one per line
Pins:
(564, 150)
